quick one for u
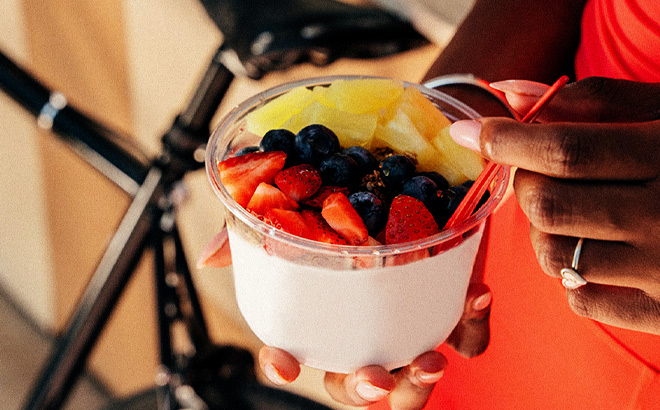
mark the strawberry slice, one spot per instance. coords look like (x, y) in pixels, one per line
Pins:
(242, 175)
(319, 230)
(268, 197)
(316, 200)
(299, 182)
(343, 218)
(408, 220)
(286, 220)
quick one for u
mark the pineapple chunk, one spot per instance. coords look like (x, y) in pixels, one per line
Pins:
(351, 129)
(276, 112)
(401, 135)
(364, 95)
(427, 117)
(467, 161)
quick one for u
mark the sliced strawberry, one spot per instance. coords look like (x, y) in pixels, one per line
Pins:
(286, 220)
(241, 175)
(408, 220)
(268, 197)
(316, 200)
(343, 218)
(299, 182)
(319, 230)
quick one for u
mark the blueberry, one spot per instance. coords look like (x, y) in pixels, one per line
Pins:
(339, 170)
(365, 159)
(314, 143)
(278, 140)
(422, 188)
(247, 150)
(448, 203)
(371, 210)
(436, 177)
(397, 169)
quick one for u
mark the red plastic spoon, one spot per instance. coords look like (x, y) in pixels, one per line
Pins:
(478, 189)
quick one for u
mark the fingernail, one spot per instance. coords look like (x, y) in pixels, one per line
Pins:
(273, 375)
(482, 302)
(370, 392)
(521, 87)
(429, 378)
(466, 133)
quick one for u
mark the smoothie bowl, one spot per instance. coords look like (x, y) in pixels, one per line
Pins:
(344, 262)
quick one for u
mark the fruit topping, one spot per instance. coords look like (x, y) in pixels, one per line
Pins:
(422, 188)
(241, 175)
(286, 220)
(358, 162)
(299, 182)
(319, 230)
(267, 197)
(343, 218)
(371, 209)
(339, 170)
(366, 161)
(316, 200)
(397, 169)
(408, 220)
(279, 140)
(314, 143)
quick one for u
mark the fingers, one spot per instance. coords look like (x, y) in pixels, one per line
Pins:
(414, 383)
(601, 262)
(614, 211)
(278, 366)
(594, 99)
(472, 334)
(368, 385)
(617, 306)
(407, 389)
(568, 150)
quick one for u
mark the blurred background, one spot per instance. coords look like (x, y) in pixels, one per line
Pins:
(131, 64)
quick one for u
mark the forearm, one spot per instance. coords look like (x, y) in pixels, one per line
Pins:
(522, 39)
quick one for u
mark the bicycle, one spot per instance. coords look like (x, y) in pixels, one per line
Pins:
(274, 35)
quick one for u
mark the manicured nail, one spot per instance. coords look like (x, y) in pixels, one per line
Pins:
(273, 375)
(466, 133)
(429, 378)
(370, 392)
(521, 87)
(482, 302)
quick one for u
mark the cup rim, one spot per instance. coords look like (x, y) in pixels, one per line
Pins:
(219, 138)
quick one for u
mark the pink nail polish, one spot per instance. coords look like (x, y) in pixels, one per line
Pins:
(429, 378)
(370, 392)
(273, 375)
(521, 87)
(482, 302)
(466, 133)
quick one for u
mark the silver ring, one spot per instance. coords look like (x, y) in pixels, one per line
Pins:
(571, 279)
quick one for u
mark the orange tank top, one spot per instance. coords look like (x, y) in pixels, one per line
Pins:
(542, 355)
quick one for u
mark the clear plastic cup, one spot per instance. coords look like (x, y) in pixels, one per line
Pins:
(336, 307)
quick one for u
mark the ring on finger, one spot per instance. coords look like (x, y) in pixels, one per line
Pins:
(571, 279)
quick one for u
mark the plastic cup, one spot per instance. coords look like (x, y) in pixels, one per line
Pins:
(339, 308)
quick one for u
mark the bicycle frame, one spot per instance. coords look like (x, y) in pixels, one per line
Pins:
(149, 221)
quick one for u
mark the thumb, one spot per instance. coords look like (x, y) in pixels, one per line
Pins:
(594, 99)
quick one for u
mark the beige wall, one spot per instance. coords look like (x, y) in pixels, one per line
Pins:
(132, 64)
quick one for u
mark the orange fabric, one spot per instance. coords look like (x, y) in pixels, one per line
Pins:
(542, 355)
(620, 39)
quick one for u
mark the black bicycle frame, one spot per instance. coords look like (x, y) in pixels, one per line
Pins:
(149, 182)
